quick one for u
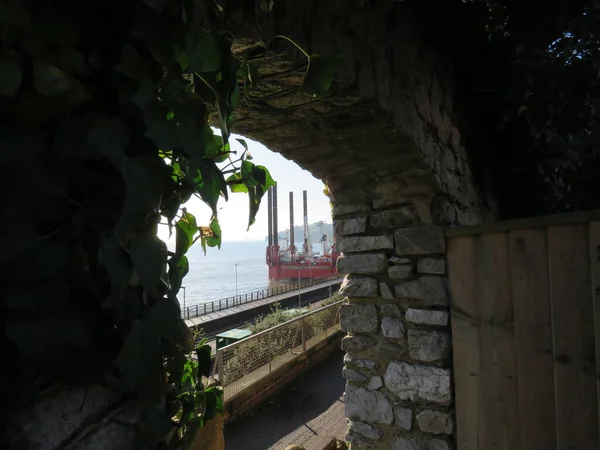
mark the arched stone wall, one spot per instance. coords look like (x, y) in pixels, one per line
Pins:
(387, 140)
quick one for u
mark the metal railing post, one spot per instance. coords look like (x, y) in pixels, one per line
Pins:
(220, 366)
(303, 337)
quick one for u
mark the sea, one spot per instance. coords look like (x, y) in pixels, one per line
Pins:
(213, 277)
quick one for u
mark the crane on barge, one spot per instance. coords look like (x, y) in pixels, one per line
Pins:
(288, 263)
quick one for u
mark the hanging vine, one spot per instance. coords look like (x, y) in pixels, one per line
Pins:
(106, 110)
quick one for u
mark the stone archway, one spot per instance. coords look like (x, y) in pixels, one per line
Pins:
(387, 141)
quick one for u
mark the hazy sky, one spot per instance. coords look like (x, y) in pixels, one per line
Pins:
(233, 215)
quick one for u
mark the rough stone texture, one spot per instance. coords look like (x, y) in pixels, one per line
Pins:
(391, 310)
(426, 317)
(428, 345)
(357, 343)
(358, 442)
(392, 327)
(406, 216)
(418, 383)
(435, 422)
(350, 226)
(385, 291)
(403, 417)
(354, 286)
(431, 266)
(363, 363)
(341, 209)
(362, 264)
(368, 431)
(418, 443)
(367, 406)
(364, 243)
(428, 240)
(400, 272)
(398, 260)
(374, 383)
(352, 375)
(429, 289)
(359, 318)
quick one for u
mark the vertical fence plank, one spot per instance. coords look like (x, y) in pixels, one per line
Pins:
(465, 337)
(594, 246)
(573, 337)
(498, 423)
(533, 338)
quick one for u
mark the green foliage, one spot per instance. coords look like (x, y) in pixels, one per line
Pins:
(106, 111)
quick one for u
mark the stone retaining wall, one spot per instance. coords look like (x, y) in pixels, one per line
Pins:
(398, 349)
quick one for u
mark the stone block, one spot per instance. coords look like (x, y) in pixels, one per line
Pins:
(391, 310)
(352, 375)
(364, 429)
(367, 406)
(354, 286)
(374, 383)
(363, 363)
(427, 317)
(400, 272)
(431, 266)
(428, 240)
(385, 291)
(358, 318)
(398, 260)
(430, 289)
(403, 417)
(418, 383)
(392, 327)
(358, 343)
(405, 216)
(352, 244)
(357, 441)
(435, 422)
(346, 227)
(362, 264)
(340, 210)
(419, 443)
(428, 345)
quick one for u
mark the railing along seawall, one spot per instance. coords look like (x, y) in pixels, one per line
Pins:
(245, 362)
(201, 309)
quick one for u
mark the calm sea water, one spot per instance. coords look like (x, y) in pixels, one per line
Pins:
(213, 276)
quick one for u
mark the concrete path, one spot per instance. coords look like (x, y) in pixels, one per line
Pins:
(309, 412)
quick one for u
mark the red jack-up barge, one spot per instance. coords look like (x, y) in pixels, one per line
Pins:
(287, 263)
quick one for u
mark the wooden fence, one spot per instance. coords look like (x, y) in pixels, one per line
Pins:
(525, 304)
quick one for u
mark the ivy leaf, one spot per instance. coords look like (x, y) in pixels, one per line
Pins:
(179, 267)
(140, 359)
(203, 353)
(214, 402)
(235, 183)
(203, 51)
(144, 184)
(164, 318)
(11, 77)
(214, 239)
(108, 138)
(208, 180)
(320, 72)
(130, 65)
(186, 228)
(148, 254)
(49, 80)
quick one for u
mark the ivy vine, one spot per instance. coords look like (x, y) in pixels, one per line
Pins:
(106, 133)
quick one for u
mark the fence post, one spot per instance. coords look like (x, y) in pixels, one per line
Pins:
(303, 337)
(269, 347)
(220, 366)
